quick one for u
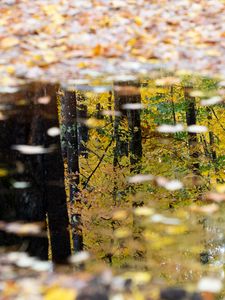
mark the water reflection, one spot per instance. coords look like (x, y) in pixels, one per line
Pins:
(34, 183)
(140, 158)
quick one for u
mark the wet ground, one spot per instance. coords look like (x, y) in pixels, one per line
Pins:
(144, 188)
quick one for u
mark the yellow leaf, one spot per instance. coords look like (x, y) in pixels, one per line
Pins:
(82, 64)
(138, 21)
(50, 57)
(10, 69)
(9, 42)
(58, 293)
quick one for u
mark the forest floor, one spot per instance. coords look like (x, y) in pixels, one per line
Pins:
(61, 40)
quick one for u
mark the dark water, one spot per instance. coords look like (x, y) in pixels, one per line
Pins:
(144, 176)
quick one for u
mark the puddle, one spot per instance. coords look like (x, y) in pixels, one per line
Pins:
(144, 175)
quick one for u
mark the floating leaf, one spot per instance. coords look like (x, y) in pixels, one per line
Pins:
(21, 184)
(33, 150)
(170, 128)
(111, 113)
(170, 185)
(158, 218)
(143, 211)
(80, 257)
(211, 101)
(196, 93)
(217, 197)
(140, 178)
(167, 81)
(41, 266)
(127, 90)
(206, 209)
(21, 228)
(173, 185)
(9, 42)
(207, 284)
(133, 106)
(44, 100)
(25, 262)
(197, 129)
(53, 131)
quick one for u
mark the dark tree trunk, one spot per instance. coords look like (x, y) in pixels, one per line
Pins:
(135, 140)
(173, 106)
(31, 201)
(192, 137)
(56, 205)
(130, 141)
(82, 116)
(70, 142)
(120, 134)
(7, 194)
(212, 140)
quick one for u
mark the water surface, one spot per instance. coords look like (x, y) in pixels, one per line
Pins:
(144, 175)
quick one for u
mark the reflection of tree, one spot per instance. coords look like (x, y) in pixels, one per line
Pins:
(127, 141)
(71, 150)
(120, 133)
(173, 105)
(44, 172)
(192, 137)
(82, 115)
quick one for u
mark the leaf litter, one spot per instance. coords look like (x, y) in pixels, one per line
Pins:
(60, 40)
